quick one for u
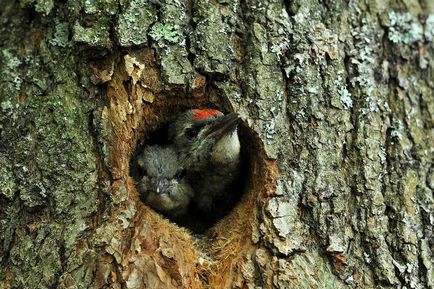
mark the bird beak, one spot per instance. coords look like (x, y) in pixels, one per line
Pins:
(223, 126)
(161, 186)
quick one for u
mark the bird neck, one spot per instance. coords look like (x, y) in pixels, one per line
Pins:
(227, 149)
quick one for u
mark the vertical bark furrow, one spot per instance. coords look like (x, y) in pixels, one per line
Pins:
(49, 150)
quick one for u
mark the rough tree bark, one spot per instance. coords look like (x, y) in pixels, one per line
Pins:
(338, 96)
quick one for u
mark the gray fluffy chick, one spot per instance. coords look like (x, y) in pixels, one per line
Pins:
(162, 187)
(208, 146)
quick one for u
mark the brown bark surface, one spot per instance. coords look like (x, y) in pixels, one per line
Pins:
(337, 102)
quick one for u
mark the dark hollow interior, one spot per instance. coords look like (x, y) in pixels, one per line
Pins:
(195, 219)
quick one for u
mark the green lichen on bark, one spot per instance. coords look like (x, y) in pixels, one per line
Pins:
(134, 22)
(169, 40)
(98, 35)
(42, 6)
(61, 36)
(340, 113)
(92, 21)
(212, 47)
(50, 155)
(7, 179)
(340, 93)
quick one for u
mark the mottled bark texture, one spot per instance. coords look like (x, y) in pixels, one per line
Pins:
(339, 99)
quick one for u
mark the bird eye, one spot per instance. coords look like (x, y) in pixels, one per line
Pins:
(192, 132)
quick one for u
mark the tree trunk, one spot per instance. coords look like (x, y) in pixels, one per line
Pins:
(337, 103)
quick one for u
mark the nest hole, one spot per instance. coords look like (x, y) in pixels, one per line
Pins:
(196, 220)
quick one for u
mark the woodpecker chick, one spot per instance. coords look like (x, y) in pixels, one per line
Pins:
(208, 145)
(163, 187)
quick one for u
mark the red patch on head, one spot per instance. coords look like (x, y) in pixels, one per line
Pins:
(205, 113)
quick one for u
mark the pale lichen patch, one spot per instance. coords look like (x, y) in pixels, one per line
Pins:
(94, 36)
(404, 28)
(134, 23)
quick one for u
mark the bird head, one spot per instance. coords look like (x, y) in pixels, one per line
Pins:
(205, 133)
(161, 162)
(163, 187)
(161, 167)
